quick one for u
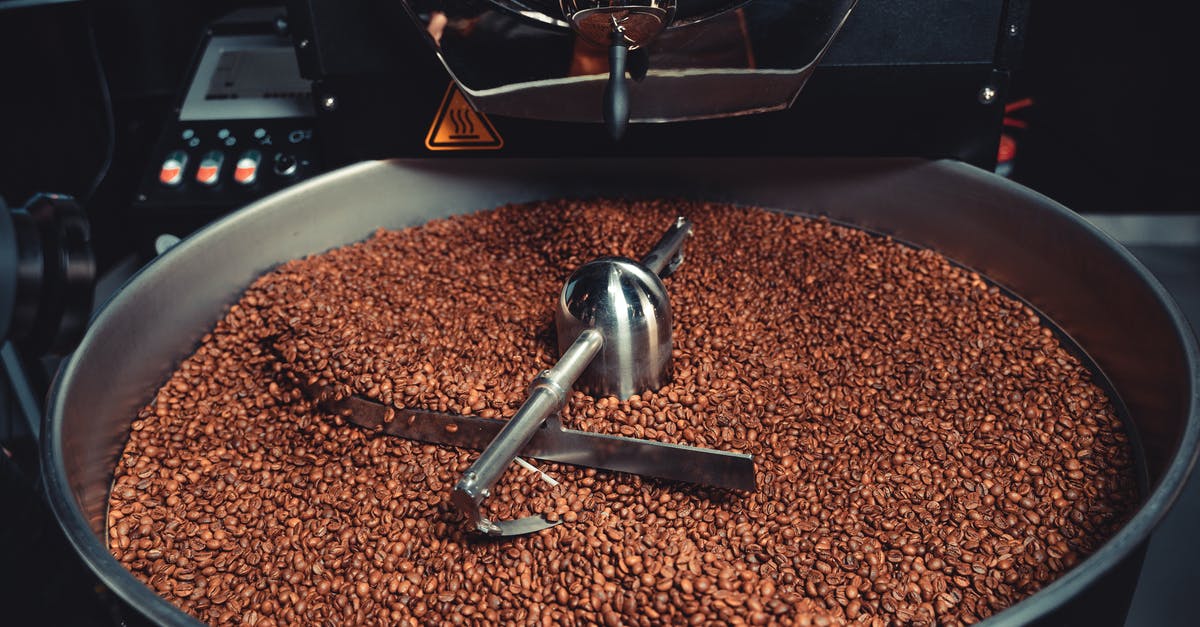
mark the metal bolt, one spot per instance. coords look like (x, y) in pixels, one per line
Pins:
(1013, 30)
(329, 103)
(303, 44)
(987, 95)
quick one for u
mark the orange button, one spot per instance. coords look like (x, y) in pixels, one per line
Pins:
(207, 174)
(209, 171)
(246, 171)
(170, 175)
(171, 171)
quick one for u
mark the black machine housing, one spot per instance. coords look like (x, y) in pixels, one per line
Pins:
(903, 78)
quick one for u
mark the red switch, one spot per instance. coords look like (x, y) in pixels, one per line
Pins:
(246, 171)
(171, 172)
(209, 171)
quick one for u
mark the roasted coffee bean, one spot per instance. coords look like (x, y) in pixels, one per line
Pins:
(927, 451)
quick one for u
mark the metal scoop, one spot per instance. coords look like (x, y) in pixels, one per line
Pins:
(614, 332)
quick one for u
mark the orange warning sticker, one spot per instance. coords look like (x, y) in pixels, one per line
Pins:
(458, 126)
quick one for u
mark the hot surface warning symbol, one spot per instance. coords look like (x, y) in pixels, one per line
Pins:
(460, 127)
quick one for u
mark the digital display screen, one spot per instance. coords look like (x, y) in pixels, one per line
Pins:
(247, 77)
(257, 73)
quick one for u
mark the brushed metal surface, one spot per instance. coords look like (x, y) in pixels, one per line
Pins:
(552, 443)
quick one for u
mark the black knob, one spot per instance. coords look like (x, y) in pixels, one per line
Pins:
(285, 164)
(616, 93)
(47, 274)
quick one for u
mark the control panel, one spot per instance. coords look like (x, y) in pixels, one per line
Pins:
(207, 165)
(243, 128)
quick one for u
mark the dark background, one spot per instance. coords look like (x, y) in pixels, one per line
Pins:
(1114, 127)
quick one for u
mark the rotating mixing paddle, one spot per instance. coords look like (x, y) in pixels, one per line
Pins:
(614, 332)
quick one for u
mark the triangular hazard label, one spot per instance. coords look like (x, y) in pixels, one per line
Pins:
(460, 127)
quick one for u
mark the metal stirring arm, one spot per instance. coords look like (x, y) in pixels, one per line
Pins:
(667, 255)
(547, 395)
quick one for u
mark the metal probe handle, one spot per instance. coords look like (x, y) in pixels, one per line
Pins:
(547, 395)
(667, 254)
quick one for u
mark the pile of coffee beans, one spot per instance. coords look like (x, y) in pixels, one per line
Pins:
(927, 451)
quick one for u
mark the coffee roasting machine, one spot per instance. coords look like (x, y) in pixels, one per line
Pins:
(757, 101)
